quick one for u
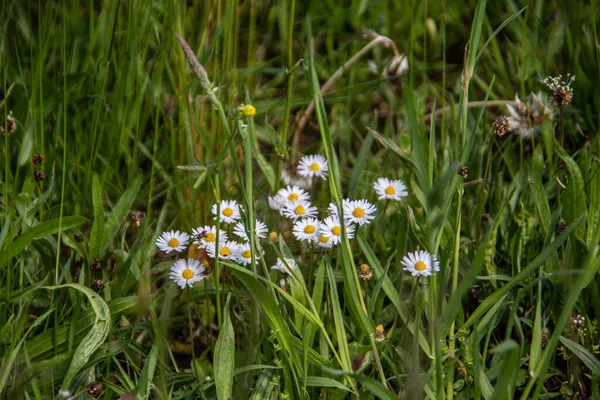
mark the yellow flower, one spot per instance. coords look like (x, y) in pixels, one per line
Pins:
(247, 110)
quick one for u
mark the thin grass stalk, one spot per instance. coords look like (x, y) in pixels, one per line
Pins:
(288, 97)
(217, 258)
(455, 264)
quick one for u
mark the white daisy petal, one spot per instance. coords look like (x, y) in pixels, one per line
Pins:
(245, 254)
(390, 189)
(228, 250)
(277, 202)
(229, 211)
(186, 272)
(172, 241)
(286, 266)
(293, 193)
(333, 210)
(313, 165)
(420, 263)
(206, 236)
(260, 230)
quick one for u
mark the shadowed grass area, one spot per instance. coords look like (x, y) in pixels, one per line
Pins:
(126, 120)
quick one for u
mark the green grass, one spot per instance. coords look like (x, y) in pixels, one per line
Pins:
(135, 144)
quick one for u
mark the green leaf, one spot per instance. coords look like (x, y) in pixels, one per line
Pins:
(225, 356)
(322, 381)
(533, 265)
(37, 232)
(95, 337)
(574, 204)
(392, 293)
(338, 318)
(98, 225)
(147, 373)
(594, 196)
(583, 354)
(120, 210)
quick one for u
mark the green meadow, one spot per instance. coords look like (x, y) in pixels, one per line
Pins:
(281, 199)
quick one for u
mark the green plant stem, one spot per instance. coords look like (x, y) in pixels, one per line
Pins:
(455, 264)
(288, 97)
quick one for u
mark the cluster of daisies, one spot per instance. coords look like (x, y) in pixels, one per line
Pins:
(293, 203)
(207, 238)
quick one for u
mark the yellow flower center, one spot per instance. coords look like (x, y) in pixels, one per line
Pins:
(364, 267)
(300, 210)
(358, 212)
(314, 167)
(210, 237)
(225, 251)
(246, 254)
(173, 242)
(420, 266)
(390, 190)
(228, 212)
(336, 230)
(249, 110)
(323, 239)
(293, 196)
(187, 273)
(309, 229)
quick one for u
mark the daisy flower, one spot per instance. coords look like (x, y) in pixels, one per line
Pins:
(230, 211)
(228, 250)
(293, 193)
(206, 236)
(245, 254)
(307, 229)
(281, 266)
(299, 209)
(325, 242)
(260, 230)
(332, 228)
(172, 241)
(359, 212)
(390, 190)
(186, 272)
(277, 202)
(420, 263)
(313, 165)
(333, 210)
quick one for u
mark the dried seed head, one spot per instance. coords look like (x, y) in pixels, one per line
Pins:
(78, 237)
(562, 90)
(39, 176)
(37, 159)
(501, 127)
(135, 217)
(462, 170)
(398, 66)
(98, 285)
(95, 389)
(578, 323)
(95, 265)
(11, 124)
(379, 334)
(366, 272)
(76, 275)
(560, 227)
(526, 118)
